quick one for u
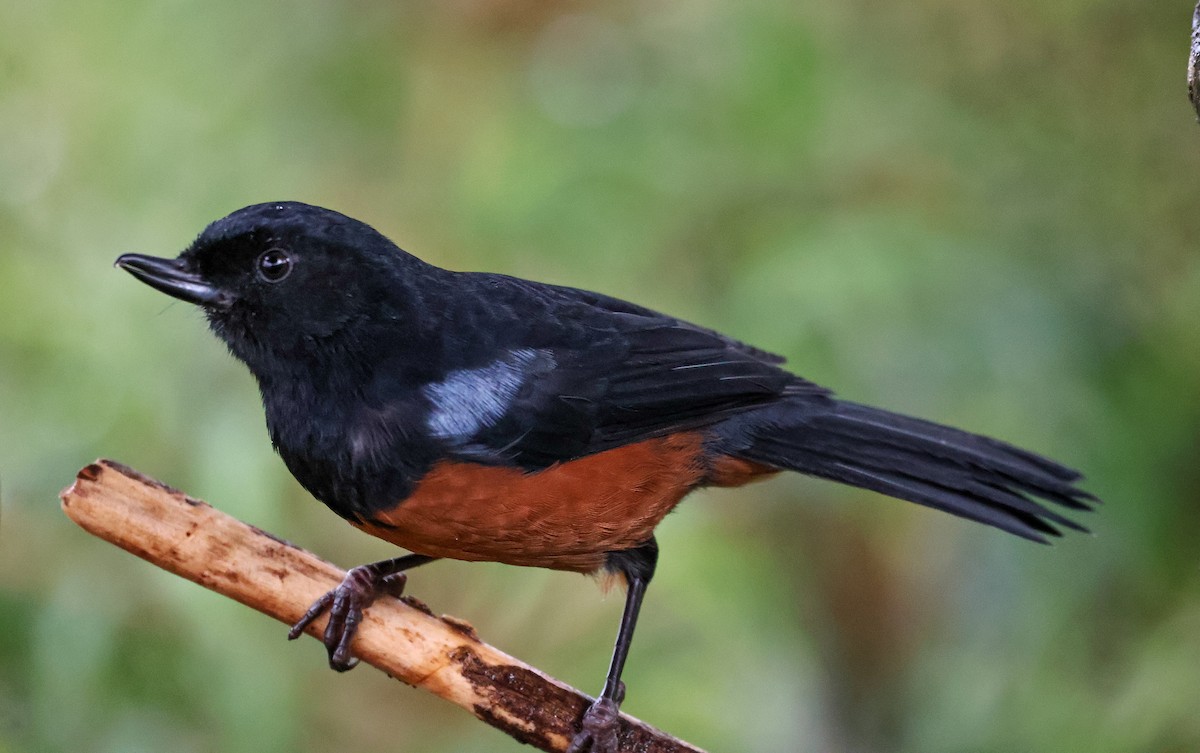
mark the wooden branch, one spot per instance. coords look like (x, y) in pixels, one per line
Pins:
(442, 655)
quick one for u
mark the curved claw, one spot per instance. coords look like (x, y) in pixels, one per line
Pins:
(345, 604)
(598, 728)
(316, 610)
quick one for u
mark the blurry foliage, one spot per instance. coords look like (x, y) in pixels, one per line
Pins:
(982, 213)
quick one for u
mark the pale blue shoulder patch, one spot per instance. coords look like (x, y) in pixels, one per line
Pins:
(470, 400)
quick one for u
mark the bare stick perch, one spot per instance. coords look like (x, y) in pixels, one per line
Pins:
(441, 655)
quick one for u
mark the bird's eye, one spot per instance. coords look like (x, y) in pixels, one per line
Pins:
(274, 265)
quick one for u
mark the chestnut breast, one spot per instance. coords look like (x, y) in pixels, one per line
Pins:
(565, 517)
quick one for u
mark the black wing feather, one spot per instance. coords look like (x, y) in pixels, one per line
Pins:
(622, 374)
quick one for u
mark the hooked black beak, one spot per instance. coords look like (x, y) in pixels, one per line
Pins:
(172, 277)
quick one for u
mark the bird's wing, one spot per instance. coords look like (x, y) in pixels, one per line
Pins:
(592, 373)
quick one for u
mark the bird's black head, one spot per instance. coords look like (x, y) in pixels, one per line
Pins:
(287, 280)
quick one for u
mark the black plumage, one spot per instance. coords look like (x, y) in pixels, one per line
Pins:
(481, 416)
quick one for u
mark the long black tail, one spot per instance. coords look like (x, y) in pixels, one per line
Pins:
(962, 473)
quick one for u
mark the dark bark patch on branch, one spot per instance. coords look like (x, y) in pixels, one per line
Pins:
(522, 695)
(417, 604)
(461, 626)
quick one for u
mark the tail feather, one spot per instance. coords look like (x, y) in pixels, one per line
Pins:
(965, 474)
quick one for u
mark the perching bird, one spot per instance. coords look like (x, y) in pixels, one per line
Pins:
(488, 418)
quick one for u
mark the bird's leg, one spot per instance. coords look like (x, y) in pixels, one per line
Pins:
(345, 604)
(598, 728)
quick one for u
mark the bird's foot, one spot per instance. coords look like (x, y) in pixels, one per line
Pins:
(345, 604)
(598, 728)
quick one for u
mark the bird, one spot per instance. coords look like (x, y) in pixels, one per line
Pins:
(482, 417)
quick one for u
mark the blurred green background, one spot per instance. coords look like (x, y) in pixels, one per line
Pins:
(981, 213)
